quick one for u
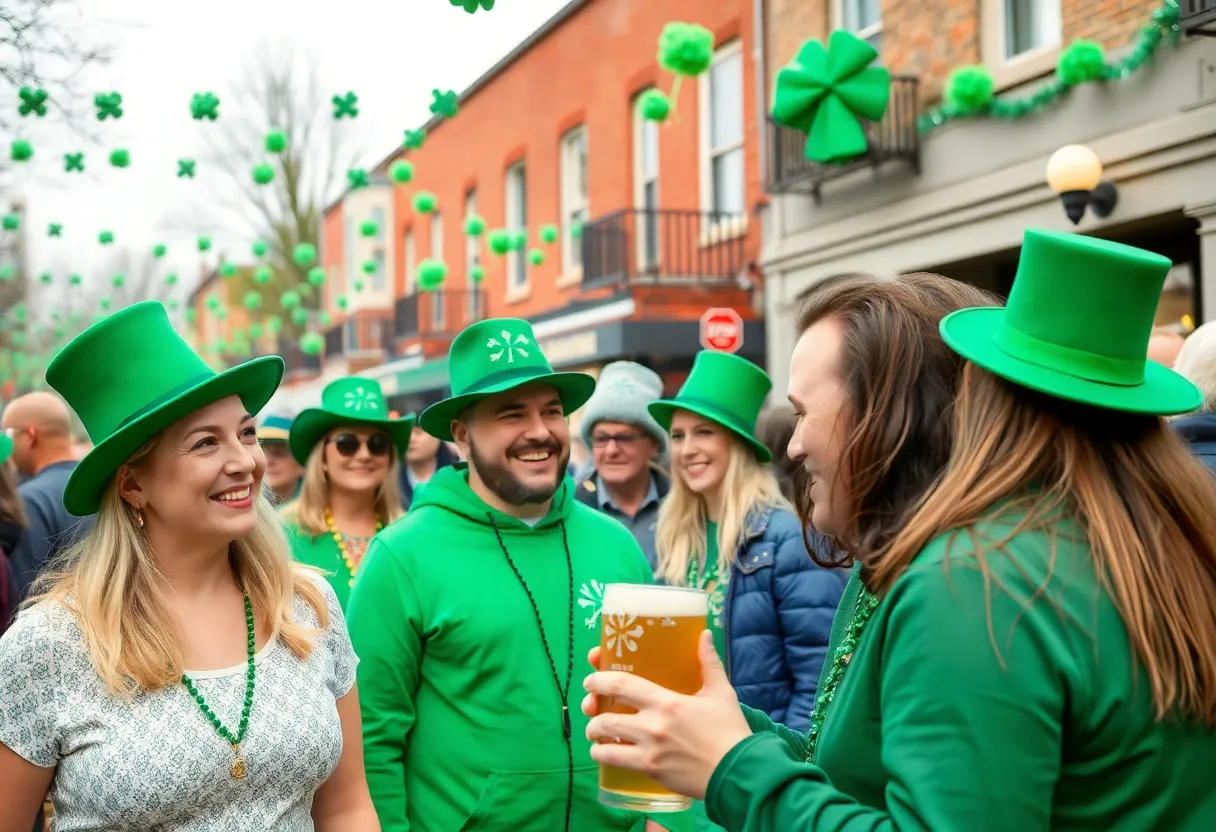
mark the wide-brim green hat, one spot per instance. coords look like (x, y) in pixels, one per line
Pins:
(494, 356)
(726, 389)
(347, 401)
(1077, 326)
(130, 376)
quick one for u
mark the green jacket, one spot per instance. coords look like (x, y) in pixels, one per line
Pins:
(931, 729)
(321, 551)
(462, 720)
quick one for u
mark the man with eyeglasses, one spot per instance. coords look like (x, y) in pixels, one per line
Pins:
(629, 480)
(283, 474)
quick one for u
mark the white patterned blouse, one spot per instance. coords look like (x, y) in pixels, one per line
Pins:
(154, 762)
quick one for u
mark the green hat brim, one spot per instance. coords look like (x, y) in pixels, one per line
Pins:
(573, 388)
(970, 333)
(6, 448)
(314, 423)
(254, 382)
(663, 409)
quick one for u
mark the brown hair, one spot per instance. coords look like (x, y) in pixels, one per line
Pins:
(12, 509)
(901, 380)
(1144, 502)
(774, 428)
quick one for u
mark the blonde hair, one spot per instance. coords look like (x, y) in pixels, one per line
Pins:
(1197, 363)
(308, 510)
(109, 580)
(747, 486)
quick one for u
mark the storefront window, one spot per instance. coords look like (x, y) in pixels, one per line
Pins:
(1177, 304)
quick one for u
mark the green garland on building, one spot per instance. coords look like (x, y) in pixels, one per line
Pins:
(969, 91)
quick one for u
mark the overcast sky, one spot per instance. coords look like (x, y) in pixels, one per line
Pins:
(392, 53)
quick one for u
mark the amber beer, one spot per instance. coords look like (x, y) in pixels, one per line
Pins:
(651, 631)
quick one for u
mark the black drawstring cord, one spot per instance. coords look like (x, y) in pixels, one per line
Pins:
(563, 693)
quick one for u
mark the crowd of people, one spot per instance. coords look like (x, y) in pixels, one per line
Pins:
(963, 577)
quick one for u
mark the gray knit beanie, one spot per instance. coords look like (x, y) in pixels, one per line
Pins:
(621, 395)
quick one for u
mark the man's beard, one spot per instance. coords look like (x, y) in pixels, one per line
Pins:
(499, 479)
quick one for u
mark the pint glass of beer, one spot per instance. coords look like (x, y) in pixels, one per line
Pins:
(651, 631)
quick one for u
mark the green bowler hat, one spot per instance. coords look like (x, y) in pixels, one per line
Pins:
(494, 356)
(1077, 326)
(130, 376)
(725, 389)
(347, 401)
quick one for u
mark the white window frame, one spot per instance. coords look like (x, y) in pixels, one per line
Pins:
(641, 179)
(867, 33)
(472, 257)
(516, 215)
(1049, 17)
(409, 248)
(437, 254)
(723, 228)
(1008, 72)
(574, 200)
(380, 278)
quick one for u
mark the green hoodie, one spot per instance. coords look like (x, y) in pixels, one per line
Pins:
(462, 720)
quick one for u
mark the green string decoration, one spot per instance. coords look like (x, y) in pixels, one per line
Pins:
(22, 150)
(205, 105)
(73, 162)
(826, 91)
(32, 101)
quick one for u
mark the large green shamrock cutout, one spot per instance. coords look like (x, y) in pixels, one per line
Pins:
(55, 230)
(185, 168)
(445, 103)
(414, 138)
(346, 105)
(825, 92)
(356, 178)
(109, 105)
(32, 101)
(471, 6)
(205, 105)
(73, 161)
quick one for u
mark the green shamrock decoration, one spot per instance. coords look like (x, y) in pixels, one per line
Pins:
(368, 228)
(548, 234)
(276, 141)
(205, 105)
(74, 280)
(824, 92)
(477, 274)
(356, 178)
(290, 299)
(299, 316)
(73, 162)
(120, 158)
(655, 105)
(11, 222)
(500, 241)
(312, 343)
(369, 267)
(536, 257)
(185, 168)
(263, 174)
(253, 300)
(32, 101)
(171, 279)
(316, 276)
(324, 318)
(55, 229)
(159, 250)
(471, 6)
(22, 150)
(414, 139)
(686, 48)
(262, 275)
(109, 105)
(227, 270)
(444, 104)
(105, 237)
(260, 247)
(474, 226)
(45, 279)
(342, 302)
(401, 171)
(118, 281)
(304, 254)
(346, 106)
(431, 274)
(204, 243)
(425, 202)
(358, 284)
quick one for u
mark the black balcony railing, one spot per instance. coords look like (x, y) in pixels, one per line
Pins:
(656, 246)
(441, 313)
(895, 137)
(295, 359)
(1198, 17)
(358, 335)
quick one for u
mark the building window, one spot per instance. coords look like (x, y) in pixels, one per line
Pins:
(379, 279)
(1029, 25)
(411, 261)
(378, 219)
(517, 222)
(437, 254)
(646, 188)
(351, 332)
(722, 133)
(472, 259)
(861, 17)
(575, 199)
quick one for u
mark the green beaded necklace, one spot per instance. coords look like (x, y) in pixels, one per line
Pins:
(237, 770)
(862, 613)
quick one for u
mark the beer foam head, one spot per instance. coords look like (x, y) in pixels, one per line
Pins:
(654, 601)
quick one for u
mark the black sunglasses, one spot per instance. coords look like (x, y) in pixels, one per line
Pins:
(378, 444)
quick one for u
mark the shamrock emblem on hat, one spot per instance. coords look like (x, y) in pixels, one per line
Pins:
(357, 178)
(346, 105)
(185, 168)
(510, 346)
(205, 105)
(825, 92)
(414, 138)
(73, 161)
(32, 101)
(445, 103)
(109, 105)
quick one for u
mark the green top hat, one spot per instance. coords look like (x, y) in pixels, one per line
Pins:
(1077, 326)
(130, 376)
(347, 401)
(723, 388)
(493, 356)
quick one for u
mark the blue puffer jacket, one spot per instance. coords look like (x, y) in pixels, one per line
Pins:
(1199, 431)
(779, 610)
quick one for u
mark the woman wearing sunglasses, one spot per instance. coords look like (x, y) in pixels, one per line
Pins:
(349, 448)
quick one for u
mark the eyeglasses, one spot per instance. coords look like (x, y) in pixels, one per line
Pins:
(378, 444)
(625, 440)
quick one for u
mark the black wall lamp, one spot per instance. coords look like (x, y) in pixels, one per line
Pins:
(1075, 173)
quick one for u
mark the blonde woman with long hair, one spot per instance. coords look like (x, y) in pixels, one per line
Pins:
(349, 448)
(176, 670)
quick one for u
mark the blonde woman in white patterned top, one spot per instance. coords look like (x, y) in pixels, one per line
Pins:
(177, 671)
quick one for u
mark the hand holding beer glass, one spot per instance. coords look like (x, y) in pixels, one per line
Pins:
(652, 632)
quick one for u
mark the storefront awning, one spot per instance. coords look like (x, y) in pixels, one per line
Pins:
(433, 375)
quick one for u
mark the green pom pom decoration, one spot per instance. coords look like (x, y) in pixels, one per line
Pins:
(356, 178)
(369, 267)
(227, 270)
(104, 303)
(7, 273)
(343, 302)
(304, 254)
(576, 231)
(22, 150)
(118, 281)
(1083, 60)
(316, 276)
(204, 244)
(205, 105)
(969, 89)
(299, 316)
(255, 331)
(401, 171)
(414, 139)
(536, 257)
(472, 6)
(260, 247)
(368, 228)
(500, 241)
(213, 302)
(312, 343)
(171, 279)
(686, 48)
(274, 324)
(263, 174)
(74, 280)
(276, 141)
(477, 274)
(253, 300)
(222, 312)
(262, 275)
(290, 299)
(120, 158)
(358, 284)
(425, 202)
(46, 279)
(548, 233)
(105, 237)
(324, 319)
(431, 274)
(159, 250)
(474, 225)
(655, 105)
(11, 222)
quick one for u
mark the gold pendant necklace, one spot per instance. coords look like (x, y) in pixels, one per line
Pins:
(237, 769)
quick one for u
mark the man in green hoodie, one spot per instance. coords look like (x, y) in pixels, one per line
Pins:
(473, 615)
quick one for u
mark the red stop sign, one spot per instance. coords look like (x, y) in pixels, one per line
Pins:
(721, 329)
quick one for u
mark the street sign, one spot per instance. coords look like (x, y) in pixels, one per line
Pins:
(721, 329)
